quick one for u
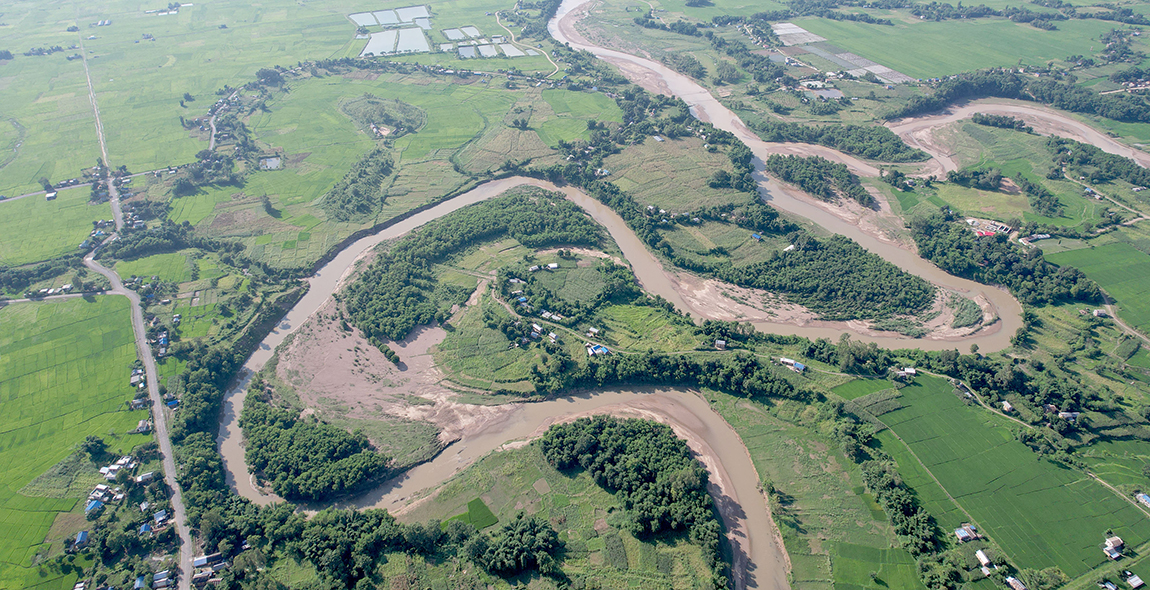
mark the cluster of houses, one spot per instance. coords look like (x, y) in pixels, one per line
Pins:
(160, 343)
(984, 227)
(100, 496)
(110, 471)
(46, 292)
(206, 567)
(1098, 313)
(162, 579)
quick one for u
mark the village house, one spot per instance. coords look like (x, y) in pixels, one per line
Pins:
(1015, 583)
(1113, 547)
(966, 532)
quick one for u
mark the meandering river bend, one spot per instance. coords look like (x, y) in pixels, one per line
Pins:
(759, 560)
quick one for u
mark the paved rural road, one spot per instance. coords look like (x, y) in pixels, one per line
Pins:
(144, 352)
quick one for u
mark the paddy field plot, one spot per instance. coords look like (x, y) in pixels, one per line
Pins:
(64, 370)
(925, 49)
(33, 229)
(1040, 513)
(1122, 271)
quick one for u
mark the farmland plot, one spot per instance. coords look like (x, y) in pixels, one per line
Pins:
(1041, 513)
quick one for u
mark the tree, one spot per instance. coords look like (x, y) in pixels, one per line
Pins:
(188, 97)
(47, 184)
(270, 77)
(5, 55)
(94, 446)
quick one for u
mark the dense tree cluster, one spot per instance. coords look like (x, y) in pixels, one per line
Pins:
(914, 527)
(987, 180)
(399, 290)
(820, 177)
(873, 142)
(1042, 201)
(651, 470)
(1047, 90)
(834, 277)
(1001, 121)
(17, 279)
(685, 63)
(360, 193)
(526, 543)
(993, 260)
(304, 459)
(1095, 164)
(168, 237)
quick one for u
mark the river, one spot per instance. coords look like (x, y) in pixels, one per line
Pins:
(760, 561)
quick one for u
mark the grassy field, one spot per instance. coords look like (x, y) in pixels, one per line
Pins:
(479, 356)
(586, 518)
(63, 376)
(33, 229)
(1122, 271)
(860, 387)
(640, 327)
(927, 49)
(573, 110)
(1041, 514)
(1014, 154)
(826, 518)
(173, 267)
(672, 174)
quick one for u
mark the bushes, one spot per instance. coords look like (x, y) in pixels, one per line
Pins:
(1002, 122)
(525, 543)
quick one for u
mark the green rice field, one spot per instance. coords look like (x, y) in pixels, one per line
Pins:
(860, 387)
(1040, 513)
(173, 267)
(64, 370)
(925, 49)
(1122, 271)
(33, 229)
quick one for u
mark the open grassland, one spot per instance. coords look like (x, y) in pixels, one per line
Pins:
(467, 127)
(481, 356)
(641, 327)
(826, 518)
(572, 111)
(860, 387)
(1119, 462)
(715, 242)
(925, 49)
(1040, 513)
(1015, 155)
(173, 267)
(1122, 271)
(33, 229)
(46, 116)
(587, 518)
(63, 376)
(672, 174)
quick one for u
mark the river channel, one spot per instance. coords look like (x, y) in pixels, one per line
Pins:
(759, 560)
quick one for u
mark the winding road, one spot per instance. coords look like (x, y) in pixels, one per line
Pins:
(144, 352)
